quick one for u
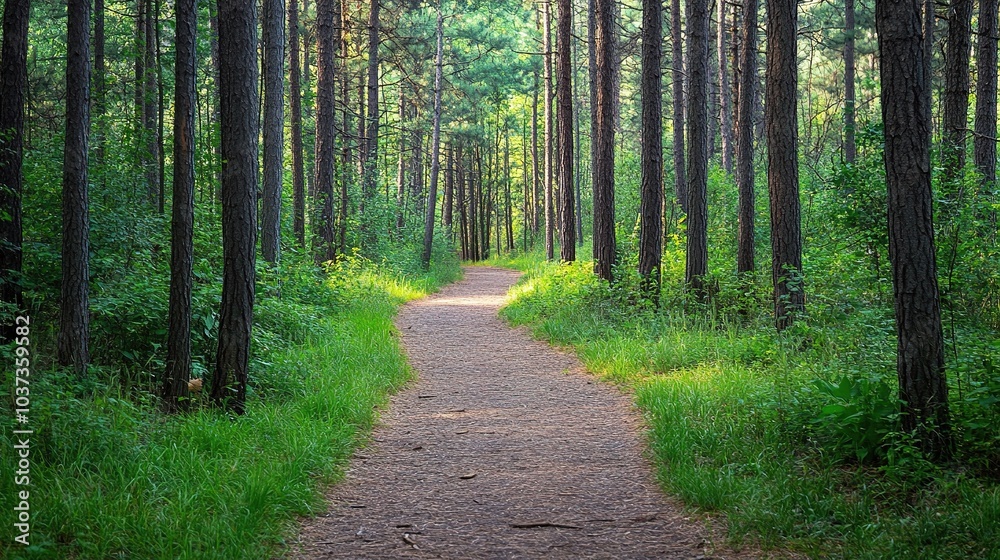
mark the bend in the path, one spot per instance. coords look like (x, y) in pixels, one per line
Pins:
(503, 448)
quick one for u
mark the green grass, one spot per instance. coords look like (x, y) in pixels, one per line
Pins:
(736, 422)
(114, 478)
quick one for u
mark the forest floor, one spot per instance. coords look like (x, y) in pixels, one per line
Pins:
(504, 447)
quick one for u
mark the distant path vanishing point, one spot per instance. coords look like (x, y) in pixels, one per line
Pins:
(503, 448)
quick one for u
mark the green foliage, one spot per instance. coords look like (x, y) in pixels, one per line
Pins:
(113, 477)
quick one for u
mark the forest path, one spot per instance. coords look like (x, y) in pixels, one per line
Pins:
(503, 448)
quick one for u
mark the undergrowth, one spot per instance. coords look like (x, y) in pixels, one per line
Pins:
(113, 477)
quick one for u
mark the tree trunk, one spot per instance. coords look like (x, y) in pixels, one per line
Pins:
(328, 44)
(956, 93)
(149, 108)
(99, 102)
(696, 266)
(677, 74)
(74, 323)
(13, 83)
(369, 152)
(564, 85)
(240, 105)
(920, 348)
(651, 205)
(295, 105)
(725, 103)
(747, 93)
(274, 97)
(178, 371)
(449, 194)
(604, 135)
(850, 149)
(401, 169)
(985, 144)
(435, 144)
(782, 161)
(547, 107)
(536, 183)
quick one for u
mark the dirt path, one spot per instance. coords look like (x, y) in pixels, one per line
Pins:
(503, 448)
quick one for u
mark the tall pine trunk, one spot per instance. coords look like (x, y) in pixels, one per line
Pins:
(920, 343)
(850, 148)
(295, 106)
(178, 370)
(564, 93)
(274, 97)
(603, 129)
(985, 146)
(956, 93)
(746, 94)
(74, 322)
(435, 145)
(328, 43)
(13, 82)
(547, 108)
(696, 266)
(651, 206)
(677, 78)
(240, 106)
(725, 92)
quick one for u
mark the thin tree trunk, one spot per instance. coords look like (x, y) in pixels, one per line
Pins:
(547, 108)
(239, 83)
(564, 85)
(725, 102)
(295, 105)
(850, 149)
(696, 266)
(651, 205)
(99, 102)
(604, 131)
(747, 93)
(149, 108)
(677, 73)
(782, 161)
(369, 152)
(401, 169)
(449, 193)
(956, 92)
(536, 183)
(274, 87)
(920, 349)
(328, 42)
(13, 83)
(178, 370)
(985, 144)
(435, 144)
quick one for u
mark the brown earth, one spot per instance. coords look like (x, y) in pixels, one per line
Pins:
(503, 448)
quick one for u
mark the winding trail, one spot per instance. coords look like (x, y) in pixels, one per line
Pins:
(503, 448)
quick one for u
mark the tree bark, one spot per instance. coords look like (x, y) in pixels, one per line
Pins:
(677, 75)
(985, 144)
(696, 266)
(151, 153)
(74, 322)
(547, 108)
(782, 161)
(725, 101)
(274, 120)
(956, 92)
(240, 109)
(328, 45)
(369, 152)
(850, 148)
(651, 205)
(435, 145)
(564, 92)
(295, 106)
(13, 83)
(747, 93)
(178, 370)
(920, 344)
(604, 135)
